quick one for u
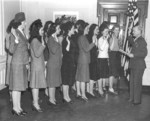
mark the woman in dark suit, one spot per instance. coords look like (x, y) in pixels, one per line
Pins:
(19, 65)
(68, 61)
(82, 75)
(37, 77)
(54, 62)
(92, 35)
(76, 48)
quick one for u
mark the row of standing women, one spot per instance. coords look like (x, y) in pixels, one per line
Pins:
(73, 54)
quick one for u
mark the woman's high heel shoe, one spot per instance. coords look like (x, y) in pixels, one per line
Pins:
(17, 113)
(78, 96)
(23, 112)
(51, 104)
(84, 99)
(65, 101)
(37, 110)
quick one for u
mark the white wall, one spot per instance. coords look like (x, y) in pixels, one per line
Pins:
(146, 77)
(44, 9)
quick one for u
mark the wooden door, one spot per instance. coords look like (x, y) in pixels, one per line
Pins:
(107, 9)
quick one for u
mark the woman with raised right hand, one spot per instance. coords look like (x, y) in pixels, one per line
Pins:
(20, 61)
(82, 74)
(37, 77)
(54, 62)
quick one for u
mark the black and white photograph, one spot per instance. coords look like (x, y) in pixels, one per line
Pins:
(74, 60)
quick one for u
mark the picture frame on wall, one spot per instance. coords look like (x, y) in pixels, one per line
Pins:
(66, 15)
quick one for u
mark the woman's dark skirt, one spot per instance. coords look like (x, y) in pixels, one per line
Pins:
(102, 68)
(68, 72)
(114, 63)
(93, 71)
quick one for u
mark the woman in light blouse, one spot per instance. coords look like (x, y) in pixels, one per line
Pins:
(103, 57)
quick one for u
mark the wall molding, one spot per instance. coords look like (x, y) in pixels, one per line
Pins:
(2, 62)
(2, 59)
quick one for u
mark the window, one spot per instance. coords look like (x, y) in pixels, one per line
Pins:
(113, 19)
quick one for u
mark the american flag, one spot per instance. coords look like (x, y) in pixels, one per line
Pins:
(132, 20)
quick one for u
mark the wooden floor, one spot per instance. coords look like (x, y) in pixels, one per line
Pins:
(108, 108)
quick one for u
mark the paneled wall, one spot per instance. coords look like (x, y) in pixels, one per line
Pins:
(2, 55)
(8, 9)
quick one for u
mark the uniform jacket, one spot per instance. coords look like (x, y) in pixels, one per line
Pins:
(19, 50)
(139, 50)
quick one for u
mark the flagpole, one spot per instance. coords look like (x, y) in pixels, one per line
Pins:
(126, 30)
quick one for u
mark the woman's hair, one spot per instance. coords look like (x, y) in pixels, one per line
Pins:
(91, 32)
(115, 26)
(10, 26)
(16, 24)
(107, 23)
(102, 28)
(51, 29)
(47, 25)
(66, 27)
(34, 30)
(79, 23)
(82, 28)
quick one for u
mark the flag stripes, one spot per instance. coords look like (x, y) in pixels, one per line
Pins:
(132, 20)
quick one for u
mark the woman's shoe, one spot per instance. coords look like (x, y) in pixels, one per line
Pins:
(101, 94)
(65, 101)
(46, 96)
(84, 99)
(37, 110)
(92, 95)
(78, 96)
(23, 112)
(17, 113)
(111, 90)
(50, 103)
